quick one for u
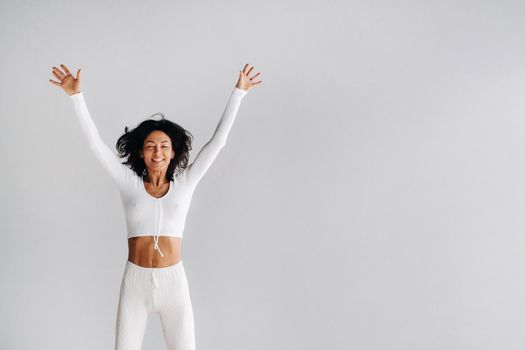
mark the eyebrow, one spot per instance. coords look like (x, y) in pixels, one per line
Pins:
(153, 142)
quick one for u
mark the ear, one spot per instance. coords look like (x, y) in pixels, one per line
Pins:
(141, 154)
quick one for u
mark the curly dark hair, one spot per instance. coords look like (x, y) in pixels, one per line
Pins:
(129, 145)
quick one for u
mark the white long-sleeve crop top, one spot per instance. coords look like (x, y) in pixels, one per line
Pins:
(147, 215)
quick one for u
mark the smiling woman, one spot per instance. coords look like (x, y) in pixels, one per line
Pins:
(156, 186)
(157, 149)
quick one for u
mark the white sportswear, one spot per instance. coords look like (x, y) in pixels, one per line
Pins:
(147, 215)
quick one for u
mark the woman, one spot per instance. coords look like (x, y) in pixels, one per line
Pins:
(156, 190)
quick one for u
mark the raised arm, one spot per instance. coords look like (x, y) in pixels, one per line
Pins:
(102, 152)
(211, 149)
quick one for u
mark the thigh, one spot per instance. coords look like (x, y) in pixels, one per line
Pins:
(132, 314)
(176, 313)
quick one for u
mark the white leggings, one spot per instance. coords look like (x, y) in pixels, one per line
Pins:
(162, 290)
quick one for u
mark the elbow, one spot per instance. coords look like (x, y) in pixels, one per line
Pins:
(220, 143)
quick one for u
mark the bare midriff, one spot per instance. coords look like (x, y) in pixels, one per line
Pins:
(142, 252)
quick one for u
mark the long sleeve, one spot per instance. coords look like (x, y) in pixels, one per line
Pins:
(210, 150)
(102, 152)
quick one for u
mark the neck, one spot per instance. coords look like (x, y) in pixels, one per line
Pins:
(156, 178)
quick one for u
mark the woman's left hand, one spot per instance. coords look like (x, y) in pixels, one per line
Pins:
(245, 82)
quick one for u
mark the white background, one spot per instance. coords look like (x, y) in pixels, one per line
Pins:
(370, 196)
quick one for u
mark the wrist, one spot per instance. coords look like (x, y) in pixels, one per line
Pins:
(239, 91)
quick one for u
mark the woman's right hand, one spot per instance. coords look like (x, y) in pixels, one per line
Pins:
(66, 81)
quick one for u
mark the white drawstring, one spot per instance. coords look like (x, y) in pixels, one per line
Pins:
(156, 239)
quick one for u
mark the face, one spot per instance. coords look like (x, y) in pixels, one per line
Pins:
(157, 151)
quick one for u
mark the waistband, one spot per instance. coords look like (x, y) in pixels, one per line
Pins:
(141, 270)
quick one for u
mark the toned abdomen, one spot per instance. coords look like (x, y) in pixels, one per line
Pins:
(142, 252)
